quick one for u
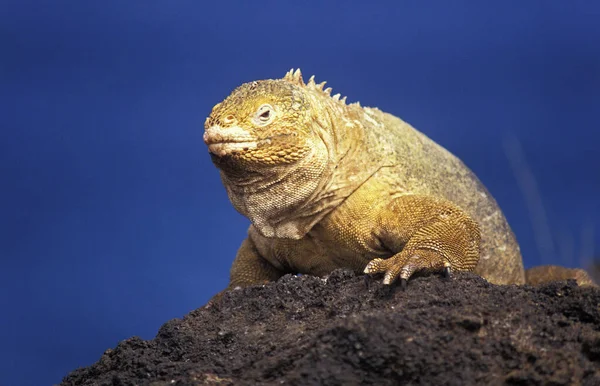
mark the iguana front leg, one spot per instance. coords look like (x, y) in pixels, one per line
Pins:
(250, 268)
(426, 234)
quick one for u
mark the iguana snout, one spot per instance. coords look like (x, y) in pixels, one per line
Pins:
(222, 141)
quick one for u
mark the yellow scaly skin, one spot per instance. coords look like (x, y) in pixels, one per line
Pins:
(328, 184)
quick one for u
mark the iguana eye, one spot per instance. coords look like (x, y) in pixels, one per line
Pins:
(264, 114)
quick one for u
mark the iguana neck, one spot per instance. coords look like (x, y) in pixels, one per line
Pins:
(287, 201)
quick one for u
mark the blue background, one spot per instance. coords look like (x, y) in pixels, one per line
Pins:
(113, 219)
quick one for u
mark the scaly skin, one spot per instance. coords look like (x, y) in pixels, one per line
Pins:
(328, 184)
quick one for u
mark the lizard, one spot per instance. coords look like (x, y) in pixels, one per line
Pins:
(328, 184)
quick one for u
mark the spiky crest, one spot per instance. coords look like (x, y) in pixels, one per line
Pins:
(295, 77)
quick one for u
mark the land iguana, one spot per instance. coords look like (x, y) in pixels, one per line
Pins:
(328, 184)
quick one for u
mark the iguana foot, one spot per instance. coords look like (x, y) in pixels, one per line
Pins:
(405, 265)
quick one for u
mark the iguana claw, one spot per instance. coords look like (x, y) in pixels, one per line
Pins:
(446, 272)
(404, 266)
(403, 283)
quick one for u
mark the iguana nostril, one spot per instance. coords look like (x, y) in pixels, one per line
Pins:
(229, 119)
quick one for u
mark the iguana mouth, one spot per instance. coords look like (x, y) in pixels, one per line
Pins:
(223, 148)
(223, 141)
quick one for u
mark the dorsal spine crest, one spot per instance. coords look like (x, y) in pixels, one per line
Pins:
(295, 77)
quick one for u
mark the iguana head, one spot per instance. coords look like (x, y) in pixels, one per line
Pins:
(264, 124)
(277, 144)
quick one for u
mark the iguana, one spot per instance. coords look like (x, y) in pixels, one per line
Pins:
(328, 184)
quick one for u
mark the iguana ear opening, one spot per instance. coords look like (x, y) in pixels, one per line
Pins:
(294, 77)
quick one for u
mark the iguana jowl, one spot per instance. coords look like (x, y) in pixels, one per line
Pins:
(328, 184)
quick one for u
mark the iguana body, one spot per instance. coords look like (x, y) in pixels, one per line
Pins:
(328, 184)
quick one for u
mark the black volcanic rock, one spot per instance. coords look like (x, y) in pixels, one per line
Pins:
(347, 330)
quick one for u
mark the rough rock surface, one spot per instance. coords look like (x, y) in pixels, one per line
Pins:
(349, 329)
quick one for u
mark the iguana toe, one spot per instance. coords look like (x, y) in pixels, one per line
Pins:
(404, 266)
